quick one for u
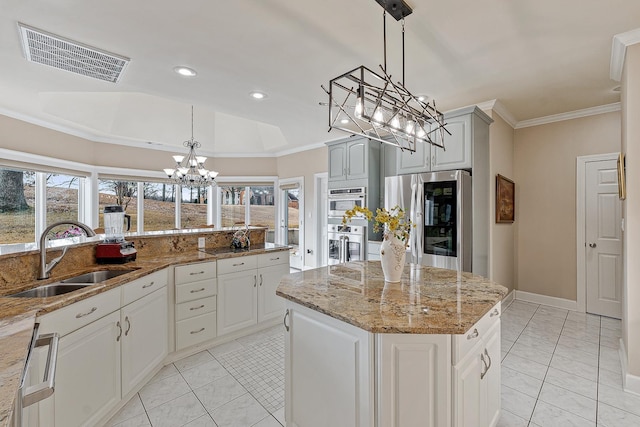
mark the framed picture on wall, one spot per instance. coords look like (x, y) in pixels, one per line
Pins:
(622, 185)
(505, 199)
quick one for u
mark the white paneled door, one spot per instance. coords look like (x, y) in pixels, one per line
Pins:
(603, 247)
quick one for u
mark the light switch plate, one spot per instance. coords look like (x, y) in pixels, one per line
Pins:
(200, 242)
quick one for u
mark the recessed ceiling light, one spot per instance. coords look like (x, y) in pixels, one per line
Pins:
(344, 121)
(258, 95)
(185, 71)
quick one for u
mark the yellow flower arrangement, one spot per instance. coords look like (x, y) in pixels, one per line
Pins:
(392, 221)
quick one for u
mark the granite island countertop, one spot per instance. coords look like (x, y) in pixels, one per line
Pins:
(427, 300)
(18, 315)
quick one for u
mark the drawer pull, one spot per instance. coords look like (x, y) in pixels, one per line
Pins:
(495, 312)
(238, 265)
(473, 334)
(148, 285)
(193, 291)
(197, 308)
(274, 259)
(79, 315)
(196, 273)
(196, 332)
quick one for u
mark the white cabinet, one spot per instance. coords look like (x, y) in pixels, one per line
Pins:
(328, 371)
(195, 309)
(247, 290)
(469, 128)
(476, 373)
(144, 337)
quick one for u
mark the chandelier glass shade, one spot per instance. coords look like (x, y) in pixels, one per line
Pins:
(362, 102)
(189, 170)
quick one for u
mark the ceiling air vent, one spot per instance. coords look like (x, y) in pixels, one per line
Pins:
(58, 52)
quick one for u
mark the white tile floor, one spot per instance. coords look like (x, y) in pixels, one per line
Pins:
(559, 368)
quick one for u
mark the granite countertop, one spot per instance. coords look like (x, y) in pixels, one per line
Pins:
(428, 300)
(18, 315)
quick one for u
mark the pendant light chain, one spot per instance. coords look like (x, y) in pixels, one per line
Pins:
(403, 51)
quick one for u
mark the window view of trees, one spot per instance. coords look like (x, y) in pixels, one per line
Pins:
(159, 206)
(121, 193)
(62, 203)
(17, 206)
(193, 210)
(262, 210)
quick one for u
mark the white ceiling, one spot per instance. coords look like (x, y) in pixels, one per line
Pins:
(538, 58)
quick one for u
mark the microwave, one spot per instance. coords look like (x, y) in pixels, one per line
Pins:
(342, 199)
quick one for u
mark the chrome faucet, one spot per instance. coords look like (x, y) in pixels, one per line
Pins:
(45, 268)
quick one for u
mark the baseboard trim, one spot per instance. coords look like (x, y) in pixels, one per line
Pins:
(630, 383)
(506, 301)
(547, 300)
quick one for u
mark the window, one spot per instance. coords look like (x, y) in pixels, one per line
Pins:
(193, 209)
(121, 193)
(62, 204)
(262, 210)
(159, 206)
(17, 206)
(232, 210)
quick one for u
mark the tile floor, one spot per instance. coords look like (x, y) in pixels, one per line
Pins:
(559, 368)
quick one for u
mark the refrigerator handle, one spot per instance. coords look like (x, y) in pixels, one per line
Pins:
(419, 221)
(346, 248)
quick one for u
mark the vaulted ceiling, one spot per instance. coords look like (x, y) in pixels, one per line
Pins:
(537, 58)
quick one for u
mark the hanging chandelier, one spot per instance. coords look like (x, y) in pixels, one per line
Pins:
(362, 102)
(189, 170)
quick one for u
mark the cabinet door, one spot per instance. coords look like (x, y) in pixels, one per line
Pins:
(144, 337)
(357, 159)
(88, 373)
(490, 396)
(457, 152)
(270, 305)
(328, 371)
(337, 162)
(414, 162)
(237, 301)
(467, 389)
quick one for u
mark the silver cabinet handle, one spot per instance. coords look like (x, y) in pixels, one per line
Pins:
(274, 259)
(196, 332)
(197, 308)
(286, 314)
(592, 245)
(260, 279)
(486, 353)
(148, 285)
(196, 273)
(193, 291)
(495, 312)
(126, 319)
(41, 391)
(119, 331)
(238, 265)
(255, 280)
(79, 315)
(473, 334)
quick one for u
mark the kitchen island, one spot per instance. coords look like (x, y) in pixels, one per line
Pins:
(362, 352)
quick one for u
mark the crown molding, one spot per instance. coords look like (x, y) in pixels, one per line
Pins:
(618, 51)
(602, 109)
(498, 107)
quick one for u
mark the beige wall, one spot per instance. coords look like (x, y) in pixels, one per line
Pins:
(306, 164)
(631, 210)
(501, 236)
(545, 177)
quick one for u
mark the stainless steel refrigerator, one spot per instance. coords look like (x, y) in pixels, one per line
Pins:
(439, 203)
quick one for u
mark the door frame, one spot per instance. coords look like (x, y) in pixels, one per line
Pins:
(319, 222)
(581, 241)
(280, 214)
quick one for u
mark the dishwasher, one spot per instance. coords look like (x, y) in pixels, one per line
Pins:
(28, 394)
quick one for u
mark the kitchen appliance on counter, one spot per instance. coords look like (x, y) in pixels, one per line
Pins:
(439, 203)
(114, 249)
(346, 243)
(341, 199)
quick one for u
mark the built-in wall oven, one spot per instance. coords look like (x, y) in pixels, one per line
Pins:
(342, 199)
(346, 243)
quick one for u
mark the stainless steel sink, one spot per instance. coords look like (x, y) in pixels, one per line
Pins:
(51, 290)
(96, 276)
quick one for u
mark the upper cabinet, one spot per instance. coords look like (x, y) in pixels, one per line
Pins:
(350, 160)
(469, 128)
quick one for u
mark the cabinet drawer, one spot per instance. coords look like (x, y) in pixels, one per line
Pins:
(233, 265)
(81, 313)
(273, 258)
(192, 272)
(195, 308)
(196, 290)
(138, 288)
(195, 330)
(462, 344)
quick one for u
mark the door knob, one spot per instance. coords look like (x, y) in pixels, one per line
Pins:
(592, 245)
